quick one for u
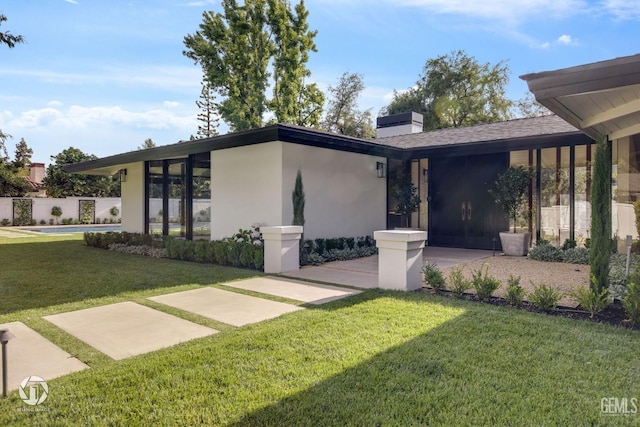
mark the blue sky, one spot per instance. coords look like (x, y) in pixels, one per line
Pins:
(103, 76)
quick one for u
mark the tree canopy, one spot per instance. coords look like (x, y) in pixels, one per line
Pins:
(343, 115)
(208, 115)
(244, 47)
(63, 184)
(456, 90)
(7, 38)
(13, 173)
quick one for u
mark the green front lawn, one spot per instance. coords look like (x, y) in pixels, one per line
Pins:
(379, 358)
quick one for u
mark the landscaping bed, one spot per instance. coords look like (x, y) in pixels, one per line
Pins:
(561, 276)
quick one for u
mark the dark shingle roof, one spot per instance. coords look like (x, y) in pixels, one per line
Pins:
(508, 130)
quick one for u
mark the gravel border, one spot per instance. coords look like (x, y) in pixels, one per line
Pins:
(561, 276)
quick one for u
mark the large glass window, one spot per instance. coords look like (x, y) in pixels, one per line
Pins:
(582, 191)
(179, 197)
(176, 180)
(555, 224)
(201, 200)
(626, 185)
(526, 216)
(155, 210)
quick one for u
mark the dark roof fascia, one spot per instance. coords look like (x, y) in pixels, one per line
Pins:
(585, 78)
(500, 146)
(310, 137)
(180, 149)
(277, 132)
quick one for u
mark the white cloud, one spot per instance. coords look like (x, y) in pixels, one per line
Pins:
(171, 104)
(567, 40)
(71, 1)
(54, 104)
(173, 78)
(622, 9)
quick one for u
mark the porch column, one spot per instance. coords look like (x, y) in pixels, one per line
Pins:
(400, 258)
(281, 248)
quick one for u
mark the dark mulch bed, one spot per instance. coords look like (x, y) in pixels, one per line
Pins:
(614, 314)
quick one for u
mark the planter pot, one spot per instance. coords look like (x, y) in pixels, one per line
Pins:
(515, 244)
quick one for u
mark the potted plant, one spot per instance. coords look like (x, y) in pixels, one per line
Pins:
(509, 191)
(407, 198)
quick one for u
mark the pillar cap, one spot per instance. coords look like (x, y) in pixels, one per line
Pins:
(400, 235)
(281, 229)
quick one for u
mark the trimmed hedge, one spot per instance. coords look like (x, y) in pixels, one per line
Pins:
(227, 252)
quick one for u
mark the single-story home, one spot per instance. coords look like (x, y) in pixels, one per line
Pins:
(212, 187)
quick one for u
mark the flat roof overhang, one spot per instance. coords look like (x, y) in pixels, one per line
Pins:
(279, 132)
(601, 98)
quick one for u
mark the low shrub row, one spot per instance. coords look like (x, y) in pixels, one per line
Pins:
(569, 254)
(544, 297)
(103, 240)
(319, 251)
(221, 252)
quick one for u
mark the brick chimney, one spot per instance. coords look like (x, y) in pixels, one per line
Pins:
(36, 172)
(399, 124)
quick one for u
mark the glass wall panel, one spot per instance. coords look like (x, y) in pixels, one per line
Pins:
(554, 188)
(526, 217)
(176, 180)
(154, 201)
(626, 185)
(582, 191)
(201, 196)
(423, 177)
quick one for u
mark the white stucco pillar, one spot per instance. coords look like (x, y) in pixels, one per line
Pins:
(281, 248)
(399, 258)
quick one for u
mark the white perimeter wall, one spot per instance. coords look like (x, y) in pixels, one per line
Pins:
(41, 208)
(132, 193)
(344, 197)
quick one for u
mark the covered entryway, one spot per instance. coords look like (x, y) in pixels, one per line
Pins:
(462, 213)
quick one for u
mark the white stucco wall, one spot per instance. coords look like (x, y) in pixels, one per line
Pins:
(246, 187)
(132, 194)
(344, 197)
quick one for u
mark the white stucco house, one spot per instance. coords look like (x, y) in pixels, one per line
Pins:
(212, 187)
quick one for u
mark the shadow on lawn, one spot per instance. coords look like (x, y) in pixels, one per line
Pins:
(480, 366)
(41, 274)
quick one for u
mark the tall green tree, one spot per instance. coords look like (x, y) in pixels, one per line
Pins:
(600, 247)
(237, 47)
(456, 90)
(208, 115)
(23, 154)
(148, 143)
(343, 115)
(60, 183)
(12, 173)
(7, 38)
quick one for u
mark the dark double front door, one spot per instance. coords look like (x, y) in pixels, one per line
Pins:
(462, 212)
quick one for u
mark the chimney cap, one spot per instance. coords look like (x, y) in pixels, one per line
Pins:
(400, 119)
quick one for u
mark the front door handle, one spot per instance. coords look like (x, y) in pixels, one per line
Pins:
(466, 211)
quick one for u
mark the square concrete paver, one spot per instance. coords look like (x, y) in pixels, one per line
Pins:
(29, 353)
(299, 291)
(127, 329)
(227, 307)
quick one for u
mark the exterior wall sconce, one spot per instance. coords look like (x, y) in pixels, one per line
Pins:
(123, 175)
(425, 175)
(380, 169)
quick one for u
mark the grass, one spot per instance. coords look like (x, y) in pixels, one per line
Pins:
(378, 358)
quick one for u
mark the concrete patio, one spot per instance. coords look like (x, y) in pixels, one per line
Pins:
(363, 272)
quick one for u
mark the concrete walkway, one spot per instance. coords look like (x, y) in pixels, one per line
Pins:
(227, 307)
(127, 329)
(363, 272)
(29, 353)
